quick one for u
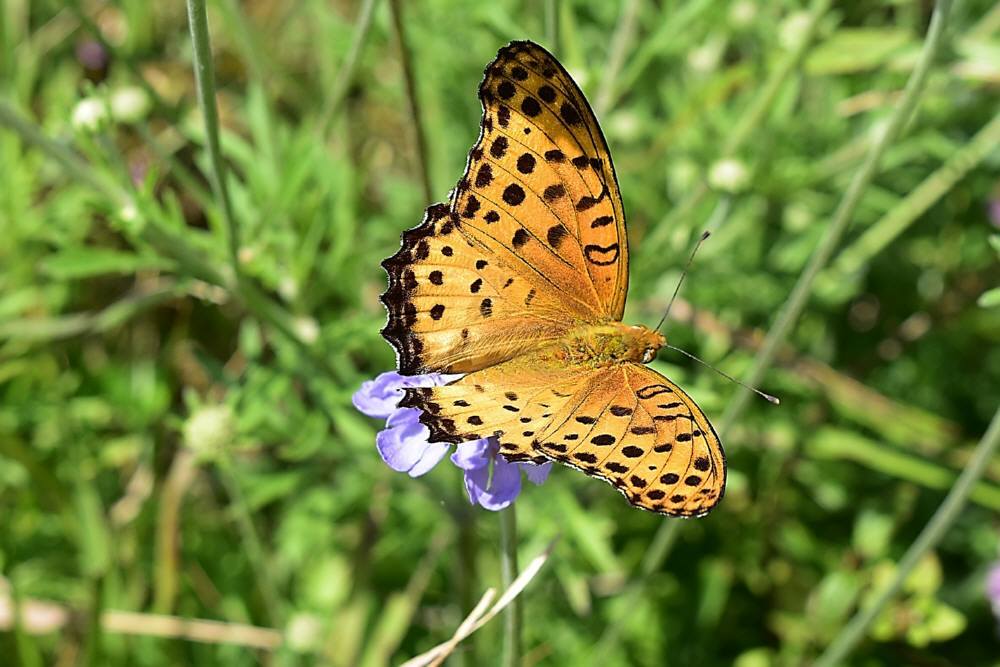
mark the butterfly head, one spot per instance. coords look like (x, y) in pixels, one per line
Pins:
(643, 342)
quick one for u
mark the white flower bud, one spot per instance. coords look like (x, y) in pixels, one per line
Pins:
(288, 288)
(307, 329)
(129, 104)
(793, 30)
(742, 13)
(128, 213)
(304, 632)
(728, 175)
(797, 217)
(89, 114)
(706, 57)
(209, 429)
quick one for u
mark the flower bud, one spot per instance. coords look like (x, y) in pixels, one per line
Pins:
(209, 429)
(304, 632)
(129, 104)
(728, 175)
(793, 29)
(89, 115)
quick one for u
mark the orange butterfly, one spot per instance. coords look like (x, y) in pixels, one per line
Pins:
(520, 283)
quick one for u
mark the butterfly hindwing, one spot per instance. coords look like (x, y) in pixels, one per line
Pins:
(513, 400)
(625, 424)
(640, 432)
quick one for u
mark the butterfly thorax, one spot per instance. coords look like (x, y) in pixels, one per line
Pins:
(608, 344)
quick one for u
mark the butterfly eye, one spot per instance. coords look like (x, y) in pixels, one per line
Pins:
(648, 355)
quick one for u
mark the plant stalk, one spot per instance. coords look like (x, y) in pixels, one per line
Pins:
(940, 522)
(799, 297)
(406, 59)
(513, 614)
(204, 74)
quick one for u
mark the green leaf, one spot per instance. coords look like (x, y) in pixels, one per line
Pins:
(989, 299)
(872, 533)
(856, 50)
(77, 263)
(945, 622)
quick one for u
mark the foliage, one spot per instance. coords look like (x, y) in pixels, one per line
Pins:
(177, 436)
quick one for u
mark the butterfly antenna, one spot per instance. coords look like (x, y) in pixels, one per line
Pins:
(766, 397)
(704, 235)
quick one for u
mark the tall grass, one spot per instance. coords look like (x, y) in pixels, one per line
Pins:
(188, 301)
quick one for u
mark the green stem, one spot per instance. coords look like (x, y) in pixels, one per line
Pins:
(877, 237)
(349, 68)
(166, 240)
(932, 533)
(764, 101)
(255, 552)
(659, 548)
(797, 300)
(129, 60)
(77, 168)
(621, 39)
(465, 575)
(552, 25)
(748, 124)
(27, 650)
(406, 59)
(512, 615)
(204, 74)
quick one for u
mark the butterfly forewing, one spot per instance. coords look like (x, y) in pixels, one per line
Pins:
(541, 185)
(454, 306)
(533, 239)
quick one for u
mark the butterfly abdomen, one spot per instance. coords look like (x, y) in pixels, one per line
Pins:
(596, 345)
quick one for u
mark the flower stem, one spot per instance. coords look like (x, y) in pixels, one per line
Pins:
(799, 297)
(204, 74)
(552, 25)
(406, 59)
(349, 68)
(932, 533)
(749, 123)
(255, 551)
(508, 569)
(878, 237)
(621, 41)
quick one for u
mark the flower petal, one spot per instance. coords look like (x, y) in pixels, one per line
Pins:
(536, 473)
(432, 455)
(472, 454)
(504, 486)
(993, 588)
(379, 397)
(404, 441)
(476, 480)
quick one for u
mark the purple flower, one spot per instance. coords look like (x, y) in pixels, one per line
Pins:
(500, 490)
(379, 397)
(405, 444)
(994, 211)
(993, 588)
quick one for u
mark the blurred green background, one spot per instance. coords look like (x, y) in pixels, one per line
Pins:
(174, 443)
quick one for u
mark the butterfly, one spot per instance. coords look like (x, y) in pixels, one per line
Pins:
(519, 282)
